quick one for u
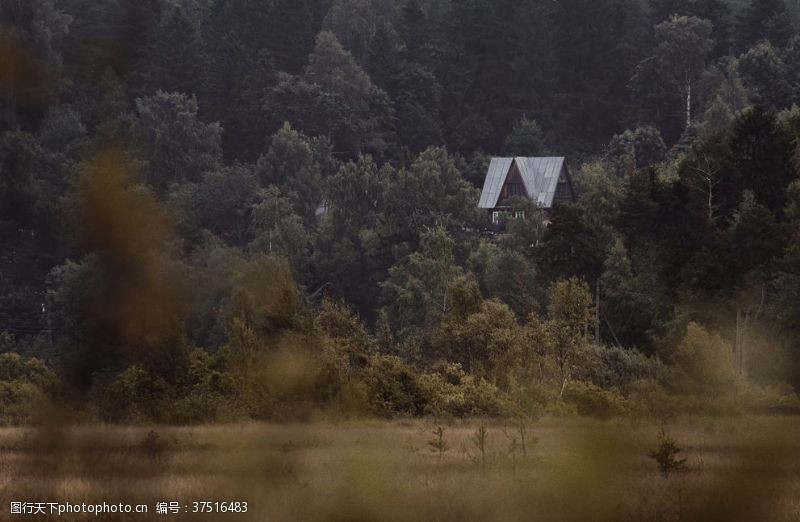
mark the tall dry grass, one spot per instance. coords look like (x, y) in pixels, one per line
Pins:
(739, 469)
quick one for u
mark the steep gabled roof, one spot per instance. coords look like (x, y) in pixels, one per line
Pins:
(540, 176)
(495, 179)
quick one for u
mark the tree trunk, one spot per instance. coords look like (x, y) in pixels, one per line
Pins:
(597, 314)
(710, 201)
(688, 105)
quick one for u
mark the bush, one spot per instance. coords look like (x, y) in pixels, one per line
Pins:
(394, 388)
(614, 367)
(14, 367)
(772, 400)
(135, 395)
(17, 402)
(451, 392)
(153, 445)
(709, 405)
(706, 361)
(24, 382)
(483, 399)
(666, 455)
(199, 407)
(647, 398)
(592, 401)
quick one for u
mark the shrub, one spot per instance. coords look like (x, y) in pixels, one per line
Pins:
(647, 398)
(24, 382)
(479, 440)
(438, 444)
(706, 361)
(593, 401)
(394, 388)
(666, 455)
(483, 399)
(614, 367)
(201, 406)
(14, 367)
(153, 445)
(135, 395)
(450, 392)
(17, 401)
(777, 399)
(536, 399)
(710, 405)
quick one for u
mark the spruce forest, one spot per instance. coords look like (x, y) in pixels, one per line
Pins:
(400, 260)
(267, 210)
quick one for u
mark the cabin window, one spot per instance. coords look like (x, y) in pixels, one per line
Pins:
(495, 217)
(519, 214)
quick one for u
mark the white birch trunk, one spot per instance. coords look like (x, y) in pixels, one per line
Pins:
(688, 105)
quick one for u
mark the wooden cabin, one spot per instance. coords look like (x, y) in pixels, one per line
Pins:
(546, 181)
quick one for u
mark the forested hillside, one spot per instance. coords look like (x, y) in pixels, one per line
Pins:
(226, 209)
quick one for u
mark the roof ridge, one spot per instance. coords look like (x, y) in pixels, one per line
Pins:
(540, 175)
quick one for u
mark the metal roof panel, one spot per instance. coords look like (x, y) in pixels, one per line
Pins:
(540, 176)
(495, 178)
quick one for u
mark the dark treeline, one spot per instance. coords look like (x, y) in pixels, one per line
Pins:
(215, 209)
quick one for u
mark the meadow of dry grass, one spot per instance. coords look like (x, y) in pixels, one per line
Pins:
(739, 469)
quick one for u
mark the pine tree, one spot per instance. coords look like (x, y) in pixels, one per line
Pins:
(172, 59)
(526, 139)
(761, 155)
(334, 98)
(259, 77)
(627, 308)
(292, 26)
(383, 55)
(31, 34)
(597, 44)
(224, 93)
(414, 31)
(764, 20)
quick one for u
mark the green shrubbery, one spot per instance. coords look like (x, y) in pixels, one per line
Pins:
(137, 395)
(396, 389)
(453, 393)
(614, 367)
(666, 455)
(648, 398)
(547, 367)
(24, 384)
(592, 401)
(17, 401)
(780, 399)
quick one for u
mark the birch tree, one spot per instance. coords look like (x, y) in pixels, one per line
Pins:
(418, 290)
(704, 179)
(683, 45)
(570, 313)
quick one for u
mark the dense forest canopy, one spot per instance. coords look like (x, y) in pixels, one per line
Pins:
(222, 208)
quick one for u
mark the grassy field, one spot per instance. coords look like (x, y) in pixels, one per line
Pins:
(738, 469)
